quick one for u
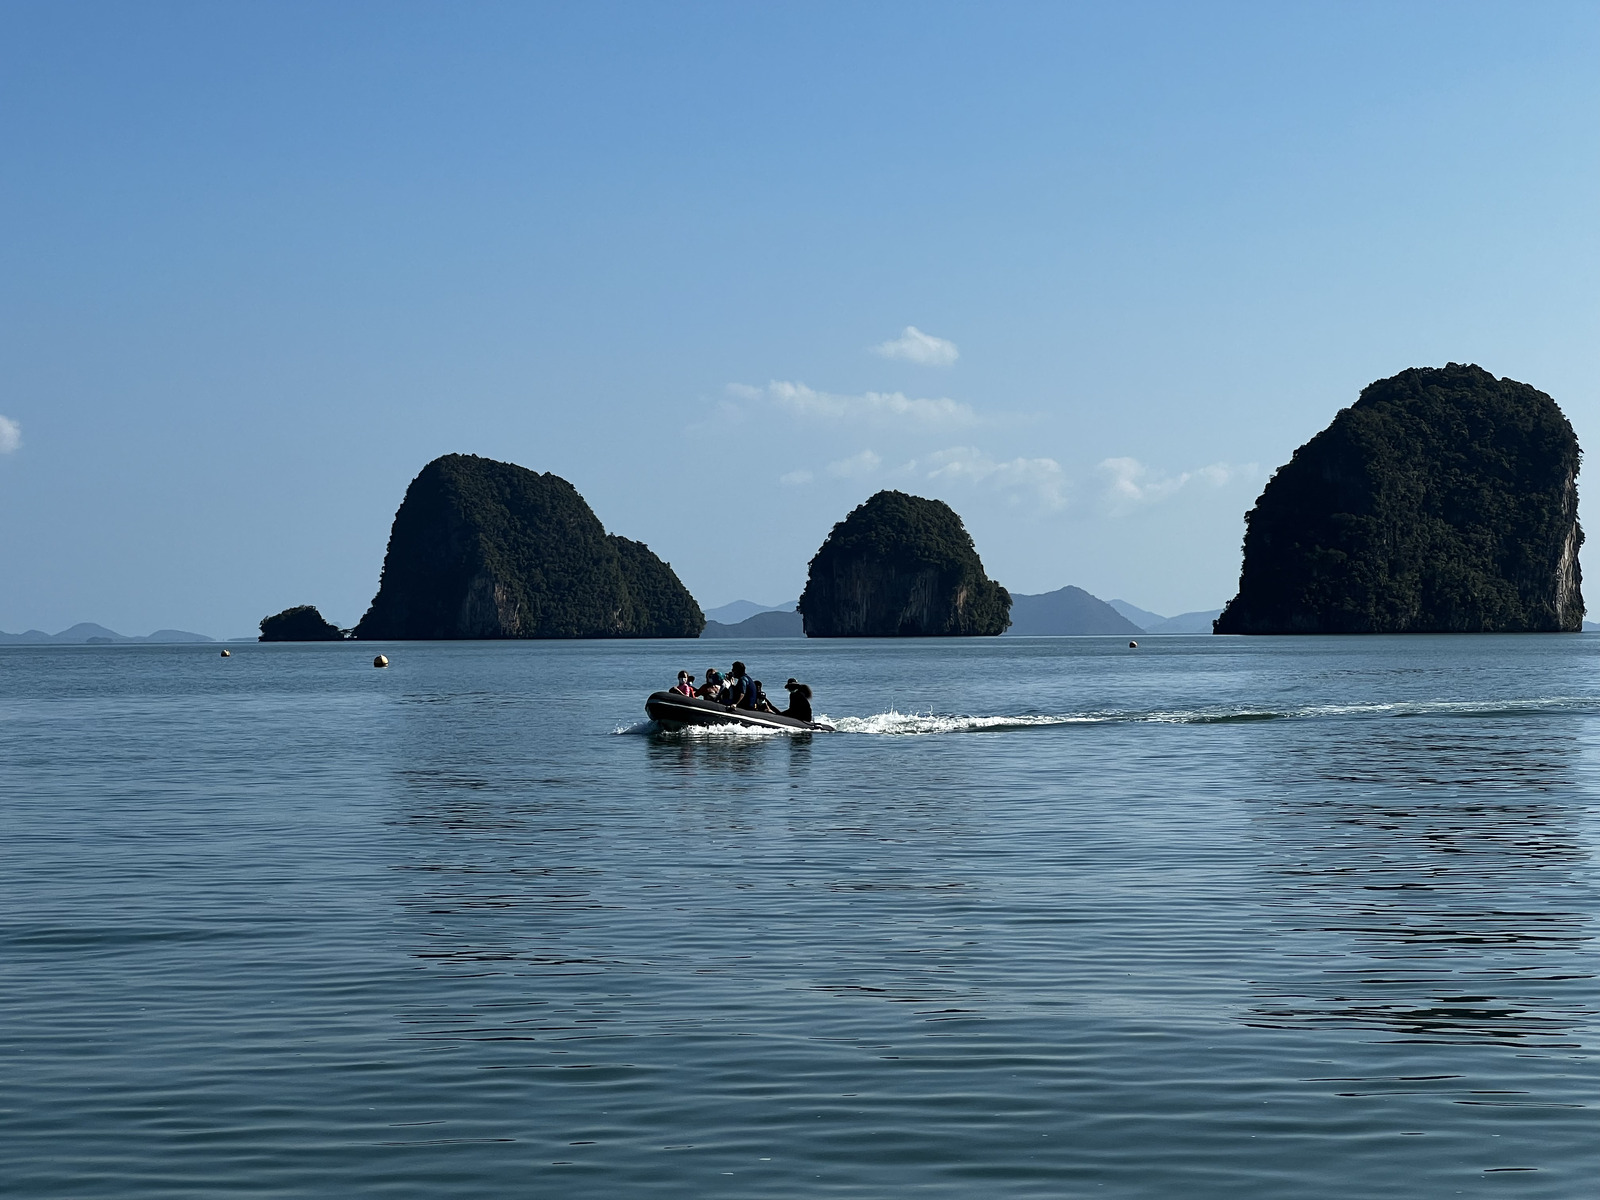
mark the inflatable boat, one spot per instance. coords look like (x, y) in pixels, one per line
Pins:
(674, 710)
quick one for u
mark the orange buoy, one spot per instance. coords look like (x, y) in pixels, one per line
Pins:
(380, 661)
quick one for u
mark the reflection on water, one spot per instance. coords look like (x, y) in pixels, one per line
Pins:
(716, 752)
(1439, 890)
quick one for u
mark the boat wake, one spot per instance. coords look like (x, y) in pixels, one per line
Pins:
(894, 723)
(704, 733)
(897, 724)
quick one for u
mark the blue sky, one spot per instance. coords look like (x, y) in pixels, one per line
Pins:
(261, 262)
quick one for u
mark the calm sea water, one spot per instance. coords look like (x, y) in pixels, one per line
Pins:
(1049, 918)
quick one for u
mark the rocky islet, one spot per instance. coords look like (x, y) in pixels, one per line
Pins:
(901, 566)
(1444, 500)
(303, 623)
(488, 549)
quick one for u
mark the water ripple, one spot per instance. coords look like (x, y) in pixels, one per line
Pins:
(1305, 917)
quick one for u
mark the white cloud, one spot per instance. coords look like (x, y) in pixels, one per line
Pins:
(1042, 479)
(10, 435)
(1130, 484)
(796, 478)
(876, 407)
(915, 346)
(855, 466)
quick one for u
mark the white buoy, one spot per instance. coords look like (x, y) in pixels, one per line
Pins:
(1133, 645)
(380, 661)
(227, 654)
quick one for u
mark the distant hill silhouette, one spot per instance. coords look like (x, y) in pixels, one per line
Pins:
(87, 633)
(738, 610)
(1066, 612)
(762, 625)
(1186, 623)
(1142, 617)
(1200, 621)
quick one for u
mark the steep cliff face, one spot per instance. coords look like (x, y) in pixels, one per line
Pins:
(661, 604)
(901, 566)
(1443, 501)
(486, 549)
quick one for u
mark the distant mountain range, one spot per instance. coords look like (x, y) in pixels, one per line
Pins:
(767, 623)
(739, 610)
(747, 619)
(1073, 612)
(1066, 612)
(1189, 622)
(87, 633)
(1142, 617)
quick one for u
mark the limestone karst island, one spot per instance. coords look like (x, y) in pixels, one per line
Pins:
(1442, 501)
(486, 549)
(901, 566)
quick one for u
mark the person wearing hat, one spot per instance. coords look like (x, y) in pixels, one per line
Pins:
(799, 701)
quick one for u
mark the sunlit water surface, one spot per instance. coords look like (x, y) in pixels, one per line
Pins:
(1048, 917)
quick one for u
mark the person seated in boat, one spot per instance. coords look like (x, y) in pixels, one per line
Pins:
(799, 701)
(685, 684)
(711, 689)
(758, 699)
(736, 688)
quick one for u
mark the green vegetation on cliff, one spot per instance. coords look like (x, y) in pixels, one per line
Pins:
(300, 624)
(901, 566)
(661, 604)
(486, 549)
(1443, 500)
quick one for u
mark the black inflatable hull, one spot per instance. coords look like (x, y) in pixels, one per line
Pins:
(673, 710)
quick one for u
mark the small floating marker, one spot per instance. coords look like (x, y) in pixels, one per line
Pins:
(380, 661)
(1133, 645)
(227, 654)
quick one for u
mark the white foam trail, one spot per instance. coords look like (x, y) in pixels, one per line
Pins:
(897, 724)
(723, 733)
(894, 723)
(728, 733)
(1423, 708)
